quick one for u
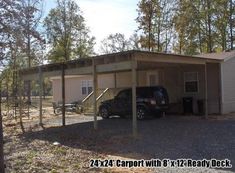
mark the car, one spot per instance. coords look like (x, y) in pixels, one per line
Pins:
(149, 100)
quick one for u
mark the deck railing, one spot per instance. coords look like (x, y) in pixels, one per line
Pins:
(103, 94)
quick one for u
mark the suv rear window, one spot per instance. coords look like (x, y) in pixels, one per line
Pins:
(161, 95)
(124, 94)
(144, 93)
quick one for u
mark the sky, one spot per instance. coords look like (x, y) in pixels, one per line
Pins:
(105, 17)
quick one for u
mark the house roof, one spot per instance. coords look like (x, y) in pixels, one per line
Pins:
(223, 56)
(111, 62)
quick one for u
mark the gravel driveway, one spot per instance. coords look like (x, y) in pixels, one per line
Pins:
(172, 137)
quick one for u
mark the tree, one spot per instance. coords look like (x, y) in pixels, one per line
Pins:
(204, 26)
(20, 38)
(134, 42)
(231, 22)
(114, 43)
(6, 27)
(67, 34)
(155, 23)
(146, 12)
(118, 43)
(221, 20)
(30, 14)
(187, 25)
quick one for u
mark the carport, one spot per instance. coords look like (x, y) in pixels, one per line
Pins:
(129, 61)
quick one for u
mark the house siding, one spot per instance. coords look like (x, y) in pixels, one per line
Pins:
(123, 79)
(172, 78)
(213, 88)
(228, 86)
(73, 85)
(173, 81)
(72, 89)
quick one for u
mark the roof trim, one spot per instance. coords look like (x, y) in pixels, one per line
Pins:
(108, 59)
(228, 58)
(220, 56)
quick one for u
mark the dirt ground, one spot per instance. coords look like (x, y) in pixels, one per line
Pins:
(27, 155)
(55, 149)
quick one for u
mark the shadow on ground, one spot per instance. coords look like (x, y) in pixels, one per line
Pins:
(168, 137)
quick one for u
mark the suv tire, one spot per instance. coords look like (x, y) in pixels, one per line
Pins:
(57, 111)
(141, 113)
(104, 112)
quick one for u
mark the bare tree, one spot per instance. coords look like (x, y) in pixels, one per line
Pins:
(114, 43)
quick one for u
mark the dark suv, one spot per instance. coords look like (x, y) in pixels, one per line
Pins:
(150, 101)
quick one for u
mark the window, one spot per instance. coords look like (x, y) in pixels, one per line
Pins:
(86, 87)
(153, 78)
(191, 82)
(89, 86)
(124, 94)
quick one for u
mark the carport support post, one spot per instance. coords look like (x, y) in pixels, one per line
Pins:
(206, 95)
(40, 95)
(94, 94)
(63, 95)
(134, 83)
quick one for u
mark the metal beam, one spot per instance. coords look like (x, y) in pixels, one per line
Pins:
(115, 80)
(94, 95)
(45, 74)
(134, 84)
(171, 59)
(29, 77)
(51, 73)
(79, 71)
(104, 68)
(221, 77)
(114, 67)
(206, 93)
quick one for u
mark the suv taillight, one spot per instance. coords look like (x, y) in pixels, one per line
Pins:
(153, 102)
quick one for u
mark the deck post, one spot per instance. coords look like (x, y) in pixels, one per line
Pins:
(206, 93)
(134, 84)
(63, 94)
(115, 80)
(2, 167)
(40, 95)
(94, 94)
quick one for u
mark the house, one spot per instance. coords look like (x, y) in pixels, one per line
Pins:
(226, 74)
(214, 82)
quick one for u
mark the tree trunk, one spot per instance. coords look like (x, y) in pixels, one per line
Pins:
(28, 50)
(7, 94)
(44, 89)
(231, 23)
(209, 26)
(29, 65)
(200, 40)
(150, 26)
(2, 166)
(149, 35)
